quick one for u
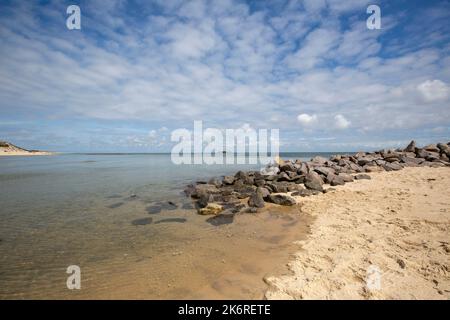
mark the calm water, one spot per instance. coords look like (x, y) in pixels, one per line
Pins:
(87, 210)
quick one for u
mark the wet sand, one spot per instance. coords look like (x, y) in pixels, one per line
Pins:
(178, 259)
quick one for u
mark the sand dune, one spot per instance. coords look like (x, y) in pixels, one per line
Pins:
(385, 238)
(8, 149)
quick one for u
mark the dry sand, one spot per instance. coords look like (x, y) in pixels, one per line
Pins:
(385, 238)
(12, 150)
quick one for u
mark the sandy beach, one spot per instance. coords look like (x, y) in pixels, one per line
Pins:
(395, 226)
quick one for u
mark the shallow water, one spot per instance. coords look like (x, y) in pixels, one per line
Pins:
(124, 221)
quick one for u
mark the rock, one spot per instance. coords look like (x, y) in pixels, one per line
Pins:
(221, 219)
(228, 180)
(443, 147)
(211, 209)
(411, 161)
(204, 188)
(281, 199)
(141, 222)
(401, 263)
(431, 148)
(263, 191)
(421, 153)
(314, 181)
(204, 199)
(245, 191)
(362, 176)
(260, 182)
(280, 187)
(392, 166)
(411, 147)
(305, 192)
(319, 160)
(269, 171)
(372, 168)
(432, 156)
(283, 177)
(256, 200)
(216, 182)
(303, 170)
(444, 158)
(241, 175)
(325, 171)
(335, 180)
(346, 177)
(391, 157)
(288, 167)
(251, 210)
(329, 190)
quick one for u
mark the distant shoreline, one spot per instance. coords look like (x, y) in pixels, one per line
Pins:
(26, 153)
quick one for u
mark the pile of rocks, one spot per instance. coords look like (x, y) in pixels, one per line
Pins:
(306, 178)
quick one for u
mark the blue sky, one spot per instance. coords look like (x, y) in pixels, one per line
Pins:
(139, 69)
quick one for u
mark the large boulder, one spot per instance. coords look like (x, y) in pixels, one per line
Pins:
(281, 199)
(335, 180)
(313, 181)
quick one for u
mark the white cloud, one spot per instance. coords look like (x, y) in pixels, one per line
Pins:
(341, 122)
(225, 64)
(306, 120)
(434, 90)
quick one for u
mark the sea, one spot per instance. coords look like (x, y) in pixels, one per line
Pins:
(124, 220)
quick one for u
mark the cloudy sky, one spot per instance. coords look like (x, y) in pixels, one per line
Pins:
(139, 69)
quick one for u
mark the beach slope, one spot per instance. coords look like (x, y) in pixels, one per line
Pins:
(384, 238)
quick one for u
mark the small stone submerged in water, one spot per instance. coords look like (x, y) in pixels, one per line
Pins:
(221, 219)
(161, 206)
(171, 220)
(305, 178)
(141, 221)
(116, 205)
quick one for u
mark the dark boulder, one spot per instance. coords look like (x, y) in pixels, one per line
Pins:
(335, 180)
(281, 199)
(256, 200)
(411, 147)
(313, 181)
